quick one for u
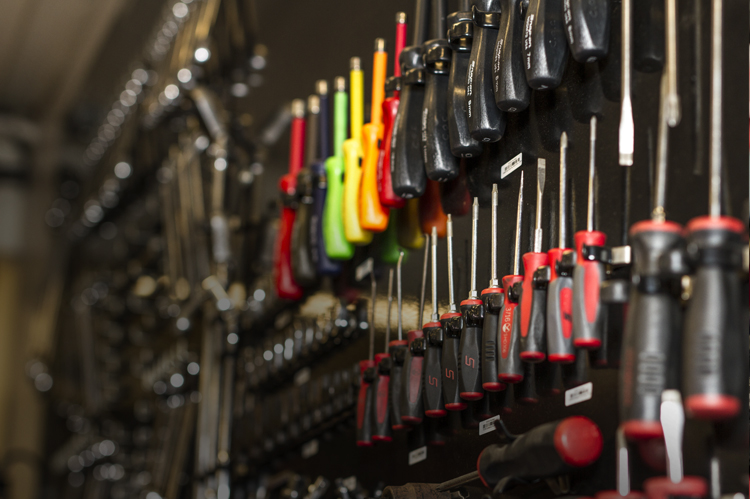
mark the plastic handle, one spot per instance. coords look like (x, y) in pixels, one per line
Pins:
(559, 313)
(452, 324)
(323, 263)
(469, 353)
(397, 349)
(587, 28)
(545, 47)
(381, 420)
(434, 404)
(364, 403)
(303, 267)
(493, 299)
(486, 121)
(648, 35)
(715, 333)
(512, 93)
(388, 198)
(509, 365)
(455, 197)
(387, 243)
(431, 212)
(551, 449)
(412, 403)
(533, 310)
(354, 232)
(410, 234)
(587, 281)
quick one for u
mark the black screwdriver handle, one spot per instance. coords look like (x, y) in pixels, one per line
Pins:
(648, 35)
(469, 353)
(364, 403)
(715, 333)
(452, 324)
(509, 364)
(412, 403)
(545, 47)
(493, 299)
(397, 349)
(381, 420)
(486, 121)
(434, 405)
(587, 28)
(303, 267)
(460, 33)
(512, 93)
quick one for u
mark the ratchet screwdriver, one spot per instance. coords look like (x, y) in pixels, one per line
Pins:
(452, 324)
(433, 331)
(492, 298)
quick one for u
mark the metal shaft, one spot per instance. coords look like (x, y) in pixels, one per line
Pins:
(388, 312)
(494, 283)
(433, 244)
(627, 128)
(623, 471)
(457, 482)
(658, 213)
(449, 238)
(399, 302)
(541, 174)
(673, 97)
(563, 219)
(373, 295)
(673, 423)
(714, 195)
(517, 243)
(592, 174)
(474, 223)
(424, 281)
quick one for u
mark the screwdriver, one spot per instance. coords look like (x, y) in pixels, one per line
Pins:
(589, 272)
(587, 28)
(510, 367)
(512, 93)
(388, 198)
(460, 32)
(492, 298)
(544, 47)
(714, 328)
(372, 215)
(534, 297)
(452, 324)
(650, 329)
(472, 309)
(412, 382)
(486, 121)
(431, 212)
(352, 155)
(560, 287)
(334, 234)
(286, 287)
(407, 162)
(627, 128)
(648, 35)
(409, 229)
(439, 163)
(433, 391)
(397, 349)
(381, 414)
(365, 400)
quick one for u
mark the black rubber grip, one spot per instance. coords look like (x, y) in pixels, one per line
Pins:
(512, 93)
(587, 28)
(648, 35)
(469, 354)
(452, 325)
(545, 47)
(412, 403)
(434, 405)
(493, 299)
(509, 366)
(364, 406)
(303, 267)
(381, 420)
(395, 388)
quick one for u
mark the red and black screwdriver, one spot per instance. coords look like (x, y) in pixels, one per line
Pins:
(397, 349)
(365, 398)
(492, 298)
(433, 377)
(381, 416)
(452, 322)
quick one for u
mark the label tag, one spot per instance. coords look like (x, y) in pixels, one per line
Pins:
(310, 449)
(350, 483)
(488, 425)
(418, 455)
(363, 269)
(511, 165)
(579, 394)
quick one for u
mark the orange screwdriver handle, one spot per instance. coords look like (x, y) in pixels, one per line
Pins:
(431, 212)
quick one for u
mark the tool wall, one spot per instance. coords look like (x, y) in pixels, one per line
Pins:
(211, 346)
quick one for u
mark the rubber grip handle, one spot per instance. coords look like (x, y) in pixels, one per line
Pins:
(460, 33)
(388, 248)
(587, 28)
(412, 403)
(510, 367)
(559, 313)
(587, 279)
(410, 233)
(354, 232)
(493, 299)
(648, 35)
(303, 267)
(452, 324)
(469, 353)
(715, 341)
(545, 47)
(439, 163)
(512, 93)
(365, 403)
(323, 263)
(434, 405)
(533, 310)
(286, 287)
(455, 197)
(549, 450)
(388, 198)
(431, 212)
(373, 216)
(486, 121)
(398, 350)
(381, 421)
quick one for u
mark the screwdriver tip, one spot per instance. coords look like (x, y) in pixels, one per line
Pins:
(355, 64)
(340, 83)
(298, 108)
(380, 45)
(564, 140)
(313, 104)
(321, 87)
(476, 202)
(400, 17)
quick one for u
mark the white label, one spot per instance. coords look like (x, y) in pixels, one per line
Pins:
(363, 269)
(350, 483)
(417, 455)
(511, 165)
(579, 394)
(310, 449)
(488, 425)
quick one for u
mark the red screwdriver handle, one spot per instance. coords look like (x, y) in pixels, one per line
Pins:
(533, 310)
(587, 280)
(364, 403)
(388, 198)
(509, 365)
(431, 212)
(381, 421)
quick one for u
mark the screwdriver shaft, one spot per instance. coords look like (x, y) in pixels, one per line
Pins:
(399, 302)
(562, 215)
(658, 213)
(517, 244)
(433, 277)
(714, 195)
(474, 224)
(627, 129)
(592, 174)
(373, 295)
(449, 239)
(388, 312)
(673, 97)
(458, 481)
(494, 283)
(424, 283)
(541, 173)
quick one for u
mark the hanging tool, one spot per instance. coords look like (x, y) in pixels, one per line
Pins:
(439, 163)
(589, 271)
(286, 287)
(560, 288)
(651, 339)
(407, 162)
(714, 328)
(492, 298)
(460, 32)
(386, 243)
(412, 381)
(409, 229)
(381, 408)
(388, 198)
(673, 98)
(336, 244)
(323, 264)
(587, 28)
(303, 267)
(433, 331)
(510, 367)
(352, 155)
(648, 35)
(544, 47)
(431, 212)
(366, 398)
(627, 128)
(486, 121)
(472, 309)
(512, 93)
(397, 349)
(623, 473)
(372, 215)
(452, 325)
(534, 297)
